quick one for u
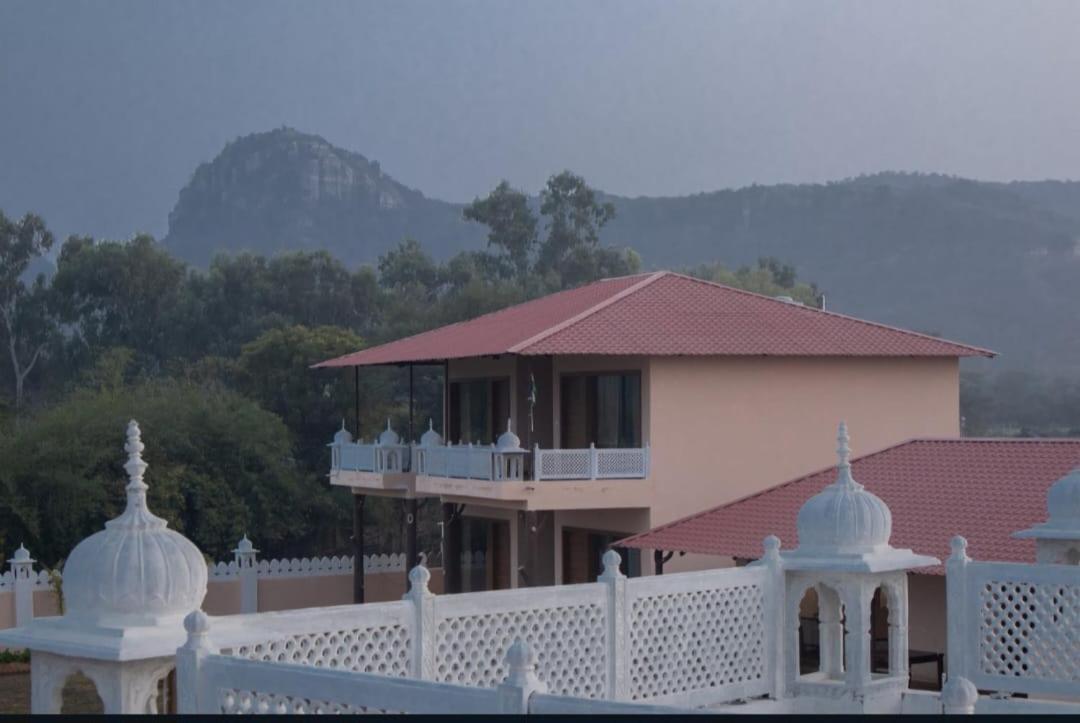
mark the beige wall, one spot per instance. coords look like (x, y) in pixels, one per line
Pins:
(926, 618)
(7, 610)
(724, 428)
(291, 593)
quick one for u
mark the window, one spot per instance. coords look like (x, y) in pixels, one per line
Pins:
(600, 409)
(479, 409)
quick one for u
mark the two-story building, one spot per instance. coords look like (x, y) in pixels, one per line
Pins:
(632, 402)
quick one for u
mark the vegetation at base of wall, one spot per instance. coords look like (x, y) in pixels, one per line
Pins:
(14, 656)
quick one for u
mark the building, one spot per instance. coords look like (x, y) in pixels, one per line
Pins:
(982, 489)
(592, 414)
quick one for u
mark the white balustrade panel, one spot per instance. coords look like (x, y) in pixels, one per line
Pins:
(371, 638)
(591, 463)
(1027, 627)
(565, 626)
(353, 457)
(698, 638)
(563, 464)
(461, 462)
(7, 580)
(622, 463)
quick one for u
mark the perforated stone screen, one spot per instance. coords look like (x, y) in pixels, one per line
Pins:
(696, 640)
(384, 650)
(1030, 630)
(570, 646)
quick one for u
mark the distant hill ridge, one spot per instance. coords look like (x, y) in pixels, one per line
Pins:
(992, 264)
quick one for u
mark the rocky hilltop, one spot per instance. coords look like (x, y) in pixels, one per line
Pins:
(286, 190)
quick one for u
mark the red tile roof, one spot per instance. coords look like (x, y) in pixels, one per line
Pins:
(983, 489)
(658, 314)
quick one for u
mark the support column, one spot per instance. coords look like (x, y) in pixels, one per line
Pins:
(358, 548)
(412, 556)
(857, 650)
(356, 390)
(658, 562)
(830, 633)
(452, 529)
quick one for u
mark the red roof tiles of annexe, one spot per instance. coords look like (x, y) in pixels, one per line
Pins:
(658, 314)
(983, 489)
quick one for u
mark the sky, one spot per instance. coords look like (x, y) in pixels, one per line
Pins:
(106, 108)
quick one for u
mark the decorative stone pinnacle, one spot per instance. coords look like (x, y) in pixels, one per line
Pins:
(520, 656)
(508, 424)
(196, 623)
(388, 425)
(611, 560)
(772, 546)
(419, 577)
(843, 453)
(958, 546)
(430, 424)
(21, 556)
(135, 466)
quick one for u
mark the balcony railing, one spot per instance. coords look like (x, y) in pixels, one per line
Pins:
(591, 463)
(488, 462)
(360, 457)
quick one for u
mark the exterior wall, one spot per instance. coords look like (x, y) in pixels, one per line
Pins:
(46, 604)
(222, 597)
(7, 610)
(613, 521)
(723, 428)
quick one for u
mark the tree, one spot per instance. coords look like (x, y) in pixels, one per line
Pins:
(220, 467)
(274, 370)
(24, 312)
(575, 218)
(511, 226)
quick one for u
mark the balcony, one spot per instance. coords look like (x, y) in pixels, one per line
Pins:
(502, 473)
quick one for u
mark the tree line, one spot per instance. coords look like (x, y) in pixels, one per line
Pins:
(214, 363)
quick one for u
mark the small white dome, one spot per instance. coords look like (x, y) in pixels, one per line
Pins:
(342, 436)
(1063, 501)
(22, 555)
(431, 438)
(388, 435)
(508, 441)
(844, 518)
(136, 571)
(244, 546)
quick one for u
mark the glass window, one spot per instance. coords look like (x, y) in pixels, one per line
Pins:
(478, 410)
(601, 409)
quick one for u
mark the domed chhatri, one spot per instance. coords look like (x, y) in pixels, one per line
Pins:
(342, 436)
(847, 526)
(508, 441)
(1062, 509)
(388, 436)
(431, 438)
(844, 517)
(136, 571)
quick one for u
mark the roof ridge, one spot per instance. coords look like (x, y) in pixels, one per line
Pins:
(879, 325)
(493, 312)
(565, 323)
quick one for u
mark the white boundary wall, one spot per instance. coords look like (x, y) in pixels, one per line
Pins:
(1014, 628)
(700, 639)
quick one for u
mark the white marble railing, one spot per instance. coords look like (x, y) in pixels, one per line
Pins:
(645, 639)
(1014, 628)
(486, 462)
(360, 457)
(591, 463)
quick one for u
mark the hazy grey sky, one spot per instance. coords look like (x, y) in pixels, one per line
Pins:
(107, 107)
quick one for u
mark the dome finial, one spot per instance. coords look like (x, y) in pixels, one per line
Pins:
(135, 466)
(843, 454)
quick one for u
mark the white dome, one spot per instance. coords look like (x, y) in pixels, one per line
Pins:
(430, 438)
(844, 518)
(1062, 511)
(136, 571)
(508, 441)
(389, 436)
(1063, 501)
(342, 436)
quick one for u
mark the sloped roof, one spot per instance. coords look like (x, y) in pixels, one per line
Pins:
(983, 489)
(658, 314)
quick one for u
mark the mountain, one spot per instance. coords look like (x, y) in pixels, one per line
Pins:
(992, 264)
(286, 190)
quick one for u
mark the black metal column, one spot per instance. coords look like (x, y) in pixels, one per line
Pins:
(452, 529)
(356, 387)
(412, 556)
(358, 548)
(658, 561)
